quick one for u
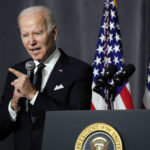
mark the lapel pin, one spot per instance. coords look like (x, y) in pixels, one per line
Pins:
(60, 70)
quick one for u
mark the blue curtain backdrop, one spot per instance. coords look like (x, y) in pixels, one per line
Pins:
(78, 23)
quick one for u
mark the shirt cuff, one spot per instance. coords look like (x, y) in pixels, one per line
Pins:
(34, 98)
(13, 114)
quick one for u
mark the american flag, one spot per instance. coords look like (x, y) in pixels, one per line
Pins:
(109, 51)
(146, 99)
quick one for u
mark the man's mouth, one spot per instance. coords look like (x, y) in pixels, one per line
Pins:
(35, 51)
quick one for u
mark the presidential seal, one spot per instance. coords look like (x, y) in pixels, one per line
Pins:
(99, 136)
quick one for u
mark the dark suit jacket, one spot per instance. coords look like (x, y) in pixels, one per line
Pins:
(73, 74)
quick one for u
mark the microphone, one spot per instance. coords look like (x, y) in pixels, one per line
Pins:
(30, 65)
(108, 74)
(127, 71)
(102, 81)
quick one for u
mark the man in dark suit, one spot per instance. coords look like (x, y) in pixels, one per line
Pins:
(65, 85)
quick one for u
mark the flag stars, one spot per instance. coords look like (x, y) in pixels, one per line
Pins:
(104, 26)
(149, 67)
(112, 25)
(116, 48)
(110, 37)
(112, 3)
(122, 60)
(106, 14)
(148, 79)
(107, 60)
(116, 60)
(98, 60)
(95, 72)
(121, 67)
(117, 37)
(100, 49)
(102, 38)
(110, 49)
(113, 14)
(102, 72)
(118, 27)
(107, 4)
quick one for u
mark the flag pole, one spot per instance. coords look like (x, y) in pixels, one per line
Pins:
(115, 3)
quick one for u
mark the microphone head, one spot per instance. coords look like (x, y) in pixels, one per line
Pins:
(30, 65)
(110, 71)
(108, 74)
(128, 70)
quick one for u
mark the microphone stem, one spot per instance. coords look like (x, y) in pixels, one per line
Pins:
(111, 96)
(27, 105)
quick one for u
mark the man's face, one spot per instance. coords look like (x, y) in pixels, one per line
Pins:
(38, 41)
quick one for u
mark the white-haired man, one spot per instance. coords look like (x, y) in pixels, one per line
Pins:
(65, 85)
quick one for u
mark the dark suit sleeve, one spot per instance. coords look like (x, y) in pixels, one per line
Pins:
(80, 93)
(6, 124)
(76, 94)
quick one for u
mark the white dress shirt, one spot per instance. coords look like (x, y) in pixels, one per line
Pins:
(46, 72)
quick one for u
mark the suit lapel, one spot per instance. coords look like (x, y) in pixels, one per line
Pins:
(57, 73)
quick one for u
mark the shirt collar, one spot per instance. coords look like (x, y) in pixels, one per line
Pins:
(51, 58)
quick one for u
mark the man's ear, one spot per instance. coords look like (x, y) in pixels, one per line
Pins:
(55, 32)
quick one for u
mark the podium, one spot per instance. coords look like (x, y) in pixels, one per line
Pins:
(62, 128)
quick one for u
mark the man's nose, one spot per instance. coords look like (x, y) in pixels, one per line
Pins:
(32, 41)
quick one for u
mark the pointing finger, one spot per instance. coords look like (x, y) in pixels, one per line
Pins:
(15, 72)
